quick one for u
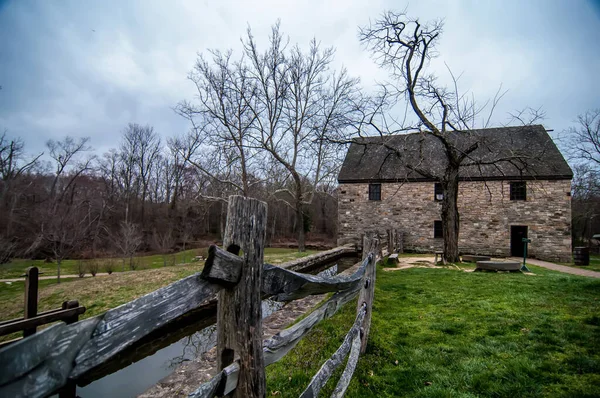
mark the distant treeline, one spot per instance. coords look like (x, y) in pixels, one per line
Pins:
(141, 196)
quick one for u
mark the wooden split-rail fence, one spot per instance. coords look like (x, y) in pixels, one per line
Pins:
(63, 354)
(28, 324)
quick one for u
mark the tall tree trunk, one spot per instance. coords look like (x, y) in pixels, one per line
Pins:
(143, 214)
(222, 220)
(300, 226)
(58, 261)
(11, 212)
(450, 216)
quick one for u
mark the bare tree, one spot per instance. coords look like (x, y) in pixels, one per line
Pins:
(128, 239)
(140, 150)
(298, 101)
(66, 224)
(583, 141)
(163, 241)
(66, 230)
(13, 164)
(404, 46)
(67, 159)
(12, 160)
(585, 202)
(222, 118)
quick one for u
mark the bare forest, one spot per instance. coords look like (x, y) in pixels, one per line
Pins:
(143, 195)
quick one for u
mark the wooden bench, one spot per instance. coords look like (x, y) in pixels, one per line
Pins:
(441, 255)
(393, 259)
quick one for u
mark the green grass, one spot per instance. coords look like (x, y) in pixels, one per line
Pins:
(102, 293)
(17, 267)
(97, 294)
(447, 333)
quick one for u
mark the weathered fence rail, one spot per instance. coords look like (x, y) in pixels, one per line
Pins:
(61, 354)
(69, 312)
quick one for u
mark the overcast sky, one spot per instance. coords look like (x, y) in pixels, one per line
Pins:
(87, 68)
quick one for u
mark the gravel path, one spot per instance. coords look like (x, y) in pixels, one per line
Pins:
(561, 268)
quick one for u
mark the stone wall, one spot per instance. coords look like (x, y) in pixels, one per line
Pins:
(486, 215)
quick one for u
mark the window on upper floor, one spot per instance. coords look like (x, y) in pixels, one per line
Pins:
(437, 229)
(438, 192)
(518, 190)
(374, 191)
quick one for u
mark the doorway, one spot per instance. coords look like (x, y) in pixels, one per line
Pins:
(517, 233)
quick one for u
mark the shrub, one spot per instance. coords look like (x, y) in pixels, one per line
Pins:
(80, 268)
(135, 263)
(93, 266)
(109, 266)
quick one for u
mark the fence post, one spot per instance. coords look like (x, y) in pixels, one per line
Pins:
(367, 293)
(390, 241)
(69, 390)
(399, 241)
(31, 297)
(239, 322)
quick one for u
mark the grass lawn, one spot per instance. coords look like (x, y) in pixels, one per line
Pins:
(17, 267)
(448, 333)
(102, 293)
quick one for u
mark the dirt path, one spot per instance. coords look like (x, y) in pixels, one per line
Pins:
(560, 268)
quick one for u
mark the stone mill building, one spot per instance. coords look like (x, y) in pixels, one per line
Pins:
(515, 184)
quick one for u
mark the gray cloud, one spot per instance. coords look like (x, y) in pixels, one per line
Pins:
(89, 68)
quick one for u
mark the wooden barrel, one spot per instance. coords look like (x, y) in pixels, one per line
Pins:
(581, 256)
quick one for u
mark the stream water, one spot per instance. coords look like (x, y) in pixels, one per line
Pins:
(143, 374)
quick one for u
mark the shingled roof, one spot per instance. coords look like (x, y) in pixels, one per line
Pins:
(507, 153)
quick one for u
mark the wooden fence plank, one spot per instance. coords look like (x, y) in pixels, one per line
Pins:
(122, 326)
(222, 267)
(289, 285)
(279, 345)
(39, 314)
(32, 323)
(285, 284)
(239, 323)
(52, 373)
(16, 360)
(210, 388)
(305, 264)
(346, 376)
(31, 299)
(327, 369)
(367, 294)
